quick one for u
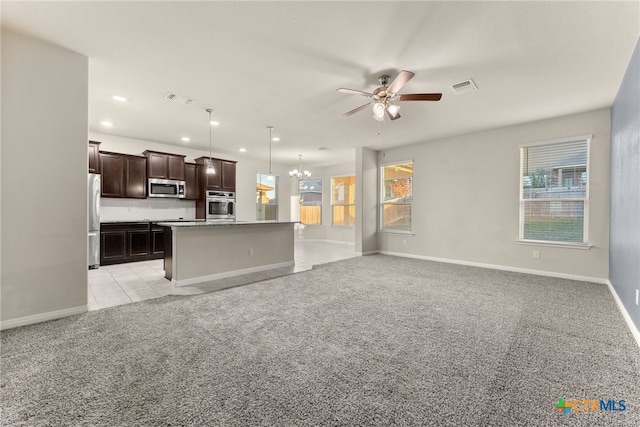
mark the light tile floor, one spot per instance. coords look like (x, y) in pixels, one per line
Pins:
(136, 281)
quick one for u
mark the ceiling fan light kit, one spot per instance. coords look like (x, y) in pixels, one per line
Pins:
(384, 96)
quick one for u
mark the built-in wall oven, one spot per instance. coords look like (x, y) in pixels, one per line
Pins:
(221, 205)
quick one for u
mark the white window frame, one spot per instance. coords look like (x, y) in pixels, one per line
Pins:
(300, 205)
(585, 236)
(333, 224)
(381, 203)
(277, 192)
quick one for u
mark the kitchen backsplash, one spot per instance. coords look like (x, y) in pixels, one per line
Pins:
(144, 209)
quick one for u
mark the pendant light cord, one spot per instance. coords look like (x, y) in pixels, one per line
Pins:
(209, 110)
(270, 139)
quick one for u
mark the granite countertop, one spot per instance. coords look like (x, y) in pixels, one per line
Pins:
(218, 223)
(152, 220)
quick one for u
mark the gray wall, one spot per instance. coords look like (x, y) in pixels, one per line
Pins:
(44, 180)
(466, 199)
(624, 254)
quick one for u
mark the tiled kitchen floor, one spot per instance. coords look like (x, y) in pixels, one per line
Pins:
(125, 283)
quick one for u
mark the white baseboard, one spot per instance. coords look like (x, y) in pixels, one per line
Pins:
(502, 267)
(209, 277)
(42, 317)
(634, 330)
(342, 242)
(368, 253)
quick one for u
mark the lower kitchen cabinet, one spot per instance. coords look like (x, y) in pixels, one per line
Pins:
(130, 241)
(157, 240)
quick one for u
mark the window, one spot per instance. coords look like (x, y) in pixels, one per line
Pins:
(266, 197)
(396, 197)
(310, 201)
(343, 207)
(554, 194)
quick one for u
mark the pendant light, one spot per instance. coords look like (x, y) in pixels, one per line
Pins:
(270, 177)
(299, 173)
(210, 169)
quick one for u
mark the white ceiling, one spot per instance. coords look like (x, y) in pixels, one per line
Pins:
(280, 63)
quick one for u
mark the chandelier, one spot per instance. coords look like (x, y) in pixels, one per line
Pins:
(299, 173)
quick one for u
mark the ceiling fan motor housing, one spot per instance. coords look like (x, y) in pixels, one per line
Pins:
(384, 80)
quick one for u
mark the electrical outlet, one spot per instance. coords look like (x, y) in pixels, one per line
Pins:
(404, 241)
(250, 251)
(536, 254)
(637, 296)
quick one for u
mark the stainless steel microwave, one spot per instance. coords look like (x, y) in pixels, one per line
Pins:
(166, 188)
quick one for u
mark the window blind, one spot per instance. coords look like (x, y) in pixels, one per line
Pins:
(553, 188)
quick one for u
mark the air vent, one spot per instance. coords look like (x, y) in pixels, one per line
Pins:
(324, 148)
(178, 98)
(465, 86)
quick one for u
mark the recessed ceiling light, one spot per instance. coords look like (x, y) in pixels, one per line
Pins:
(214, 123)
(242, 150)
(106, 123)
(275, 139)
(119, 98)
(185, 139)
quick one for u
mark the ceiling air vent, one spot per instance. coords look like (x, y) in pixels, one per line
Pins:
(465, 86)
(178, 98)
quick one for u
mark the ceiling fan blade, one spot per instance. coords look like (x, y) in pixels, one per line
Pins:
(355, 110)
(354, 92)
(393, 116)
(400, 81)
(419, 97)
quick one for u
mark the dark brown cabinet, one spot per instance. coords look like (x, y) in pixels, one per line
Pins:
(157, 240)
(94, 157)
(228, 175)
(135, 177)
(224, 179)
(123, 175)
(209, 181)
(130, 241)
(112, 168)
(112, 246)
(165, 165)
(192, 190)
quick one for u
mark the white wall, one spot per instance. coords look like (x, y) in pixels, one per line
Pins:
(246, 170)
(466, 198)
(44, 181)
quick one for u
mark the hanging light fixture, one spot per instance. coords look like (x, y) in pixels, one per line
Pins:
(210, 169)
(270, 177)
(299, 173)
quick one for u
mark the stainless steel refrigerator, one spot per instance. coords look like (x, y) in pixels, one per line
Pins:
(94, 220)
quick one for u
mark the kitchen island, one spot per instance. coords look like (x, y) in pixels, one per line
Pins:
(201, 251)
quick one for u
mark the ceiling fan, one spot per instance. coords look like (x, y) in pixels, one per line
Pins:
(384, 96)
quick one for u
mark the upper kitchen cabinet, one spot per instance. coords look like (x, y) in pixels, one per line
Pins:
(164, 165)
(192, 189)
(224, 179)
(135, 177)
(94, 157)
(209, 181)
(228, 175)
(123, 175)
